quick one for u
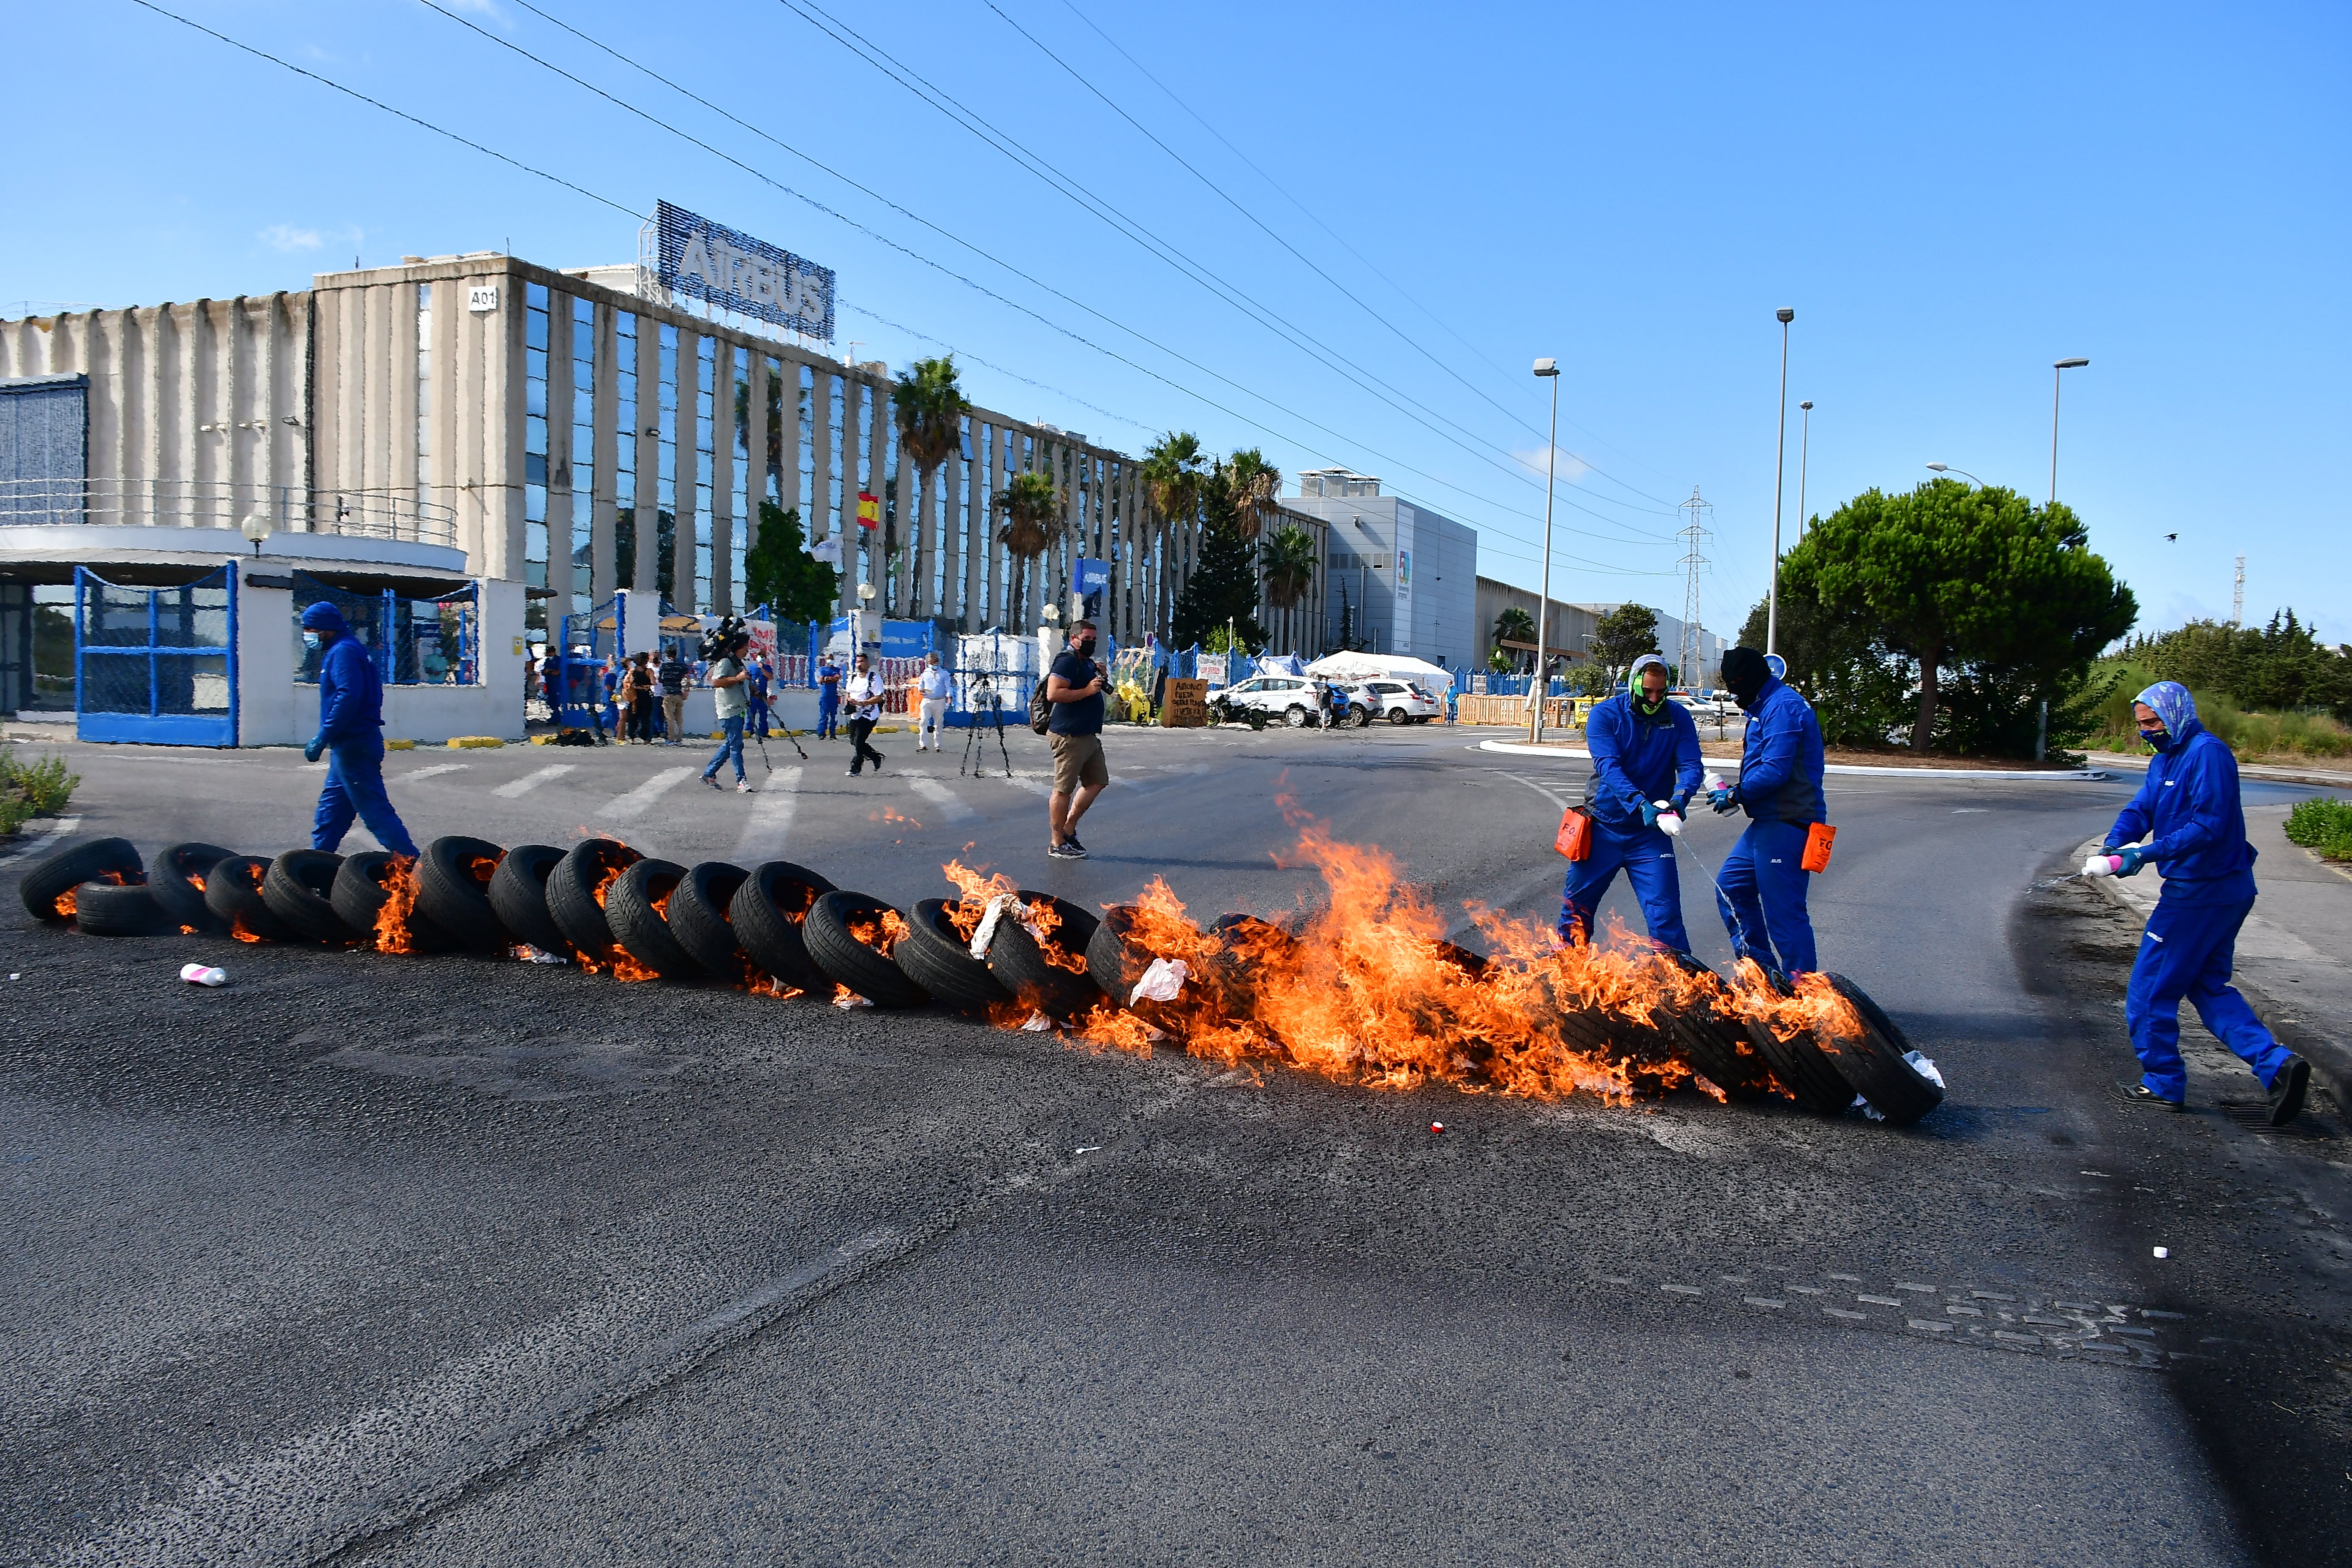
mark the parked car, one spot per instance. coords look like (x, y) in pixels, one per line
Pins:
(1288, 700)
(1403, 701)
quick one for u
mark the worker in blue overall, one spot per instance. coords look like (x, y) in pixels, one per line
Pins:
(828, 699)
(1780, 788)
(350, 734)
(2190, 806)
(1645, 768)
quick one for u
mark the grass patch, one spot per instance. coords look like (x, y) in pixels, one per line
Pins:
(41, 790)
(2254, 736)
(2322, 825)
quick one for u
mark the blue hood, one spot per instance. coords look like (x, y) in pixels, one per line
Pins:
(2175, 707)
(323, 616)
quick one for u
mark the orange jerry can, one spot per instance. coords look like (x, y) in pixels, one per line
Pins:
(1818, 839)
(1575, 839)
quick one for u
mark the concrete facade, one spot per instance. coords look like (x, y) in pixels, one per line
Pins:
(1408, 575)
(1570, 629)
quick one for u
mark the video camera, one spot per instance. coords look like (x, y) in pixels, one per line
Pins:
(728, 635)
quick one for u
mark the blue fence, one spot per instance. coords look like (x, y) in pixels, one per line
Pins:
(413, 642)
(156, 666)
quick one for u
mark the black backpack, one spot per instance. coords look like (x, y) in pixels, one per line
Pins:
(1041, 708)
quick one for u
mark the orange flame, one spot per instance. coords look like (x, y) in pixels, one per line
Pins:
(973, 894)
(881, 932)
(70, 899)
(1048, 921)
(392, 917)
(624, 967)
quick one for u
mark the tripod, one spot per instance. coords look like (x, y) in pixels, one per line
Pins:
(984, 696)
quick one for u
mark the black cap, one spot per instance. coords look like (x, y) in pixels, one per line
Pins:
(1745, 672)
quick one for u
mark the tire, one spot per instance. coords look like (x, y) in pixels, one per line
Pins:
(48, 887)
(697, 919)
(1020, 965)
(359, 896)
(1798, 1066)
(298, 888)
(846, 961)
(108, 909)
(1399, 716)
(936, 958)
(1873, 1066)
(233, 893)
(453, 892)
(636, 907)
(518, 896)
(575, 895)
(1244, 941)
(1257, 718)
(1114, 959)
(176, 876)
(1294, 717)
(1716, 1045)
(768, 912)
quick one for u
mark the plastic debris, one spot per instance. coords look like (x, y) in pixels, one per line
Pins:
(530, 955)
(1161, 982)
(2164, 1252)
(986, 931)
(1919, 1065)
(1039, 1023)
(1436, 1127)
(197, 974)
(851, 999)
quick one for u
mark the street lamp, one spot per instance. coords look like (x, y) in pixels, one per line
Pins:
(2058, 369)
(1804, 457)
(256, 528)
(1784, 315)
(1947, 468)
(1549, 371)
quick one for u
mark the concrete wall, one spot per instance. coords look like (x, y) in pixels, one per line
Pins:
(1568, 629)
(1371, 539)
(266, 704)
(430, 714)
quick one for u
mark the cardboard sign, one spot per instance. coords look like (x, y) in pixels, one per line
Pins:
(1184, 705)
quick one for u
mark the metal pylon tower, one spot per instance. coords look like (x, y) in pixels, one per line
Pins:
(1688, 657)
(2238, 597)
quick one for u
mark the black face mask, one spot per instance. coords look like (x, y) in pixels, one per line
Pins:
(1745, 672)
(1085, 646)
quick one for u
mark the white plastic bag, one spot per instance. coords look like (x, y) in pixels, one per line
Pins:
(1919, 1065)
(1161, 982)
(987, 928)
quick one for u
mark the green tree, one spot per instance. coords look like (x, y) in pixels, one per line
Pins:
(1345, 642)
(1860, 689)
(1623, 635)
(1290, 560)
(929, 406)
(1514, 625)
(1032, 507)
(1257, 490)
(1175, 467)
(2279, 669)
(779, 572)
(1223, 586)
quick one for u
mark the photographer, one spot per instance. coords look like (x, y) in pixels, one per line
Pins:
(1075, 688)
(729, 696)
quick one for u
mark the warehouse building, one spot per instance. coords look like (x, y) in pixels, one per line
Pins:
(1403, 578)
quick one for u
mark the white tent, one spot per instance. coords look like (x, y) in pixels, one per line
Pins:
(1381, 665)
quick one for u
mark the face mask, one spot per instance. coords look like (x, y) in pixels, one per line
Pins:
(1085, 645)
(310, 640)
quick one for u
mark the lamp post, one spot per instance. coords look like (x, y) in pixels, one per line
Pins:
(1549, 371)
(1947, 468)
(256, 528)
(1784, 315)
(1804, 460)
(2058, 369)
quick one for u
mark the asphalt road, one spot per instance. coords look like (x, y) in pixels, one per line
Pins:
(450, 1261)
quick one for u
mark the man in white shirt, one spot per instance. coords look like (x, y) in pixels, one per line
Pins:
(932, 686)
(862, 695)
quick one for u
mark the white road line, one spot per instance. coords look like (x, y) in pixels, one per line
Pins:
(46, 831)
(628, 807)
(513, 788)
(950, 804)
(437, 768)
(770, 820)
(1035, 787)
(1558, 801)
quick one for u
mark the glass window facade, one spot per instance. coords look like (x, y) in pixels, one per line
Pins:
(704, 367)
(739, 378)
(625, 426)
(665, 478)
(583, 456)
(424, 393)
(535, 453)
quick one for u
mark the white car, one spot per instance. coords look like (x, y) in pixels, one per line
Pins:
(1289, 699)
(1402, 702)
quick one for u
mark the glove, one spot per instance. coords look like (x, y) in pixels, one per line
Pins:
(1670, 818)
(1723, 799)
(1650, 812)
(310, 752)
(2129, 862)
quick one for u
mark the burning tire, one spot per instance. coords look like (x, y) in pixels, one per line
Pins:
(298, 888)
(48, 887)
(1715, 1042)
(575, 894)
(176, 876)
(233, 893)
(359, 897)
(769, 912)
(453, 892)
(938, 958)
(1873, 1065)
(108, 909)
(831, 930)
(518, 895)
(1797, 1064)
(1243, 942)
(1055, 982)
(636, 906)
(697, 919)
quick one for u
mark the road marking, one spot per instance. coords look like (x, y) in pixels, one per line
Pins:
(436, 768)
(49, 831)
(951, 804)
(1035, 787)
(636, 803)
(515, 788)
(771, 820)
(1560, 801)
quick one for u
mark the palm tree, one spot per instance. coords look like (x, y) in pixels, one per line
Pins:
(1290, 560)
(1032, 505)
(1175, 470)
(930, 407)
(1257, 490)
(1514, 625)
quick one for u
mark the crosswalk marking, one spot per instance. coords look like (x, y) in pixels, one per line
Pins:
(1035, 787)
(636, 803)
(532, 781)
(771, 820)
(951, 804)
(437, 768)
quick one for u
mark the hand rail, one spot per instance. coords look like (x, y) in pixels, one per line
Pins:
(226, 504)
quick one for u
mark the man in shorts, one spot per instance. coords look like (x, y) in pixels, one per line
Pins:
(1075, 688)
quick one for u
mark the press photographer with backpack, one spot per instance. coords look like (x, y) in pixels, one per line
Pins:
(1072, 690)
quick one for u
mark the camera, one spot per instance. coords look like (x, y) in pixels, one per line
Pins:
(730, 634)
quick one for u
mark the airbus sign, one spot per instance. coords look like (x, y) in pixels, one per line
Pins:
(711, 262)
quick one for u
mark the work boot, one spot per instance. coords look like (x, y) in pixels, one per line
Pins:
(2287, 1090)
(2134, 1092)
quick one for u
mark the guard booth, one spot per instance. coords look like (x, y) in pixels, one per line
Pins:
(155, 667)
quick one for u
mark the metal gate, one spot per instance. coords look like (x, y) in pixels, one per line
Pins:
(156, 666)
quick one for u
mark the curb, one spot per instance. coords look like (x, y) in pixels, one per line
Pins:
(2330, 1057)
(2061, 775)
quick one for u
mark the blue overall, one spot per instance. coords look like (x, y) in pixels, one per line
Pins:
(351, 724)
(758, 720)
(1636, 759)
(1779, 787)
(828, 703)
(2189, 803)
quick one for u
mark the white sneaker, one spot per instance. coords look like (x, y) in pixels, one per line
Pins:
(742, 786)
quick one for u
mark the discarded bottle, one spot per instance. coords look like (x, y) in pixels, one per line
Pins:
(202, 975)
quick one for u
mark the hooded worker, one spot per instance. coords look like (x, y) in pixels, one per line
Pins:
(1645, 768)
(350, 734)
(1780, 788)
(2187, 811)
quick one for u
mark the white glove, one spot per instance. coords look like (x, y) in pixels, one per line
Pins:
(1670, 823)
(2099, 866)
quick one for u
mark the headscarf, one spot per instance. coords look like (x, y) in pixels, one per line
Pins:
(2175, 707)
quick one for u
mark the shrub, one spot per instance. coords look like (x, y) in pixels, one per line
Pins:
(2323, 824)
(41, 790)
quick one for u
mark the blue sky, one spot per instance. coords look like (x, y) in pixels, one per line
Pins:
(1950, 198)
